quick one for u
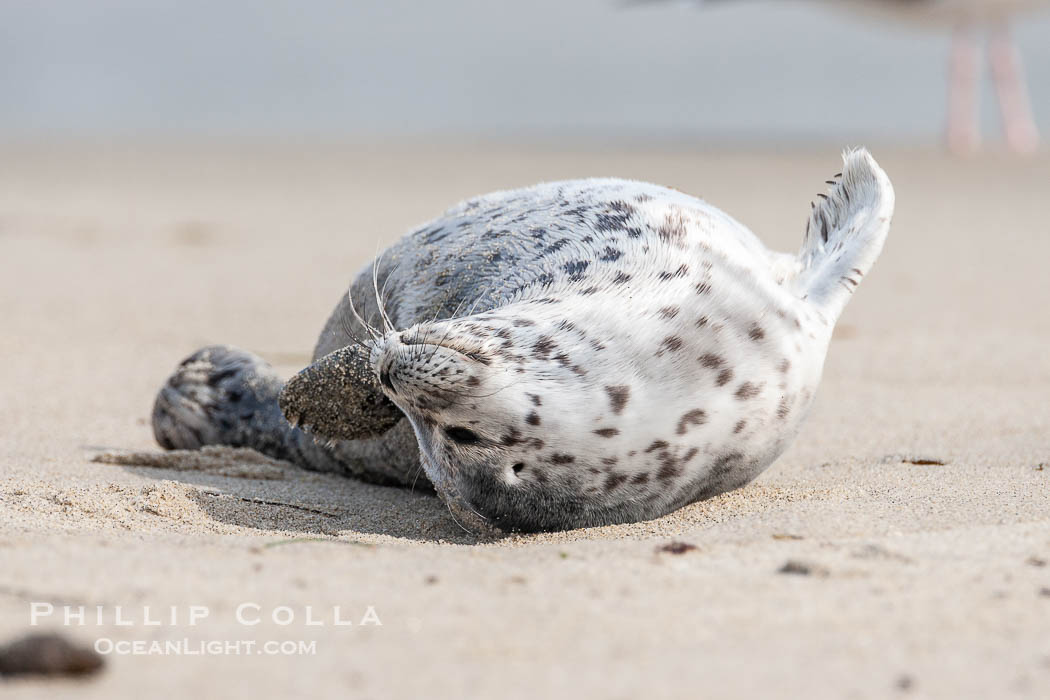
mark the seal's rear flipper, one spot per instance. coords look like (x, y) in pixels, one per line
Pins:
(338, 398)
(845, 233)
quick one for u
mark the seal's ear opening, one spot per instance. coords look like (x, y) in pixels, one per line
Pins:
(338, 398)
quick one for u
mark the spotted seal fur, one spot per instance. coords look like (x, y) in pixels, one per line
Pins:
(565, 355)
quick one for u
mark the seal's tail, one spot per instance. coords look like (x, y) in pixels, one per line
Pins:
(845, 233)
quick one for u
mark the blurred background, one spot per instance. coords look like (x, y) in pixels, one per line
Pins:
(747, 73)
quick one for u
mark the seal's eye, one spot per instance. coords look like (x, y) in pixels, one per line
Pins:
(463, 436)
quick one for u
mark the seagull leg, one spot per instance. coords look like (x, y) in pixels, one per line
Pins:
(1022, 135)
(963, 126)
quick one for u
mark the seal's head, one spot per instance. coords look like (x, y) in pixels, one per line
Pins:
(502, 404)
(553, 414)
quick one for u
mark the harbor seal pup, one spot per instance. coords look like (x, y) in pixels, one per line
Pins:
(571, 354)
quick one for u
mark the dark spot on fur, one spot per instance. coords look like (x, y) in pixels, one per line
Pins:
(695, 417)
(740, 425)
(784, 366)
(576, 269)
(607, 432)
(747, 390)
(672, 343)
(556, 246)
(669, 311)
(565, 361)
(611, 254)
(533, 418)
(783, 408)
(567, 325)
(613, 481)
(669, 468)
(672, 229)
(703, 287)
(536, 400)
(657, 445)
(511, 438)
(711, 361)
(618, 396)
(724, 377)
(701, 322)
(676, 548)
(724, 465)
(621, 278)
(543, 347)
(557, 458)
(756, 333)
(606, 222)
(472, 380)
(682, 271)
(642, 478)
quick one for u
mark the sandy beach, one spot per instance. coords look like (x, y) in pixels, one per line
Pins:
(901, 547)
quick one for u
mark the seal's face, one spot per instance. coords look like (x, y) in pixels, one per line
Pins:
(498, 404)
(548, 415)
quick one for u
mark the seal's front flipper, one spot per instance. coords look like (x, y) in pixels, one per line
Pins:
(338, 398)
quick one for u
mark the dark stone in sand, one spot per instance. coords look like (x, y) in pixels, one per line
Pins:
(48, 655)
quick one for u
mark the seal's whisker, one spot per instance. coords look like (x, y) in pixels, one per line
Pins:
(387, 325)
(376, 335)
(344, 321)
(468, 395)
(480, 297)
(349, 330)
(415, 477)
(456, 520)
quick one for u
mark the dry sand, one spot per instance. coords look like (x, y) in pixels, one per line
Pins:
(914, 503)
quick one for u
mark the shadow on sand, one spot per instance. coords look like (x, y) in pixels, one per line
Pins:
(243, 488)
